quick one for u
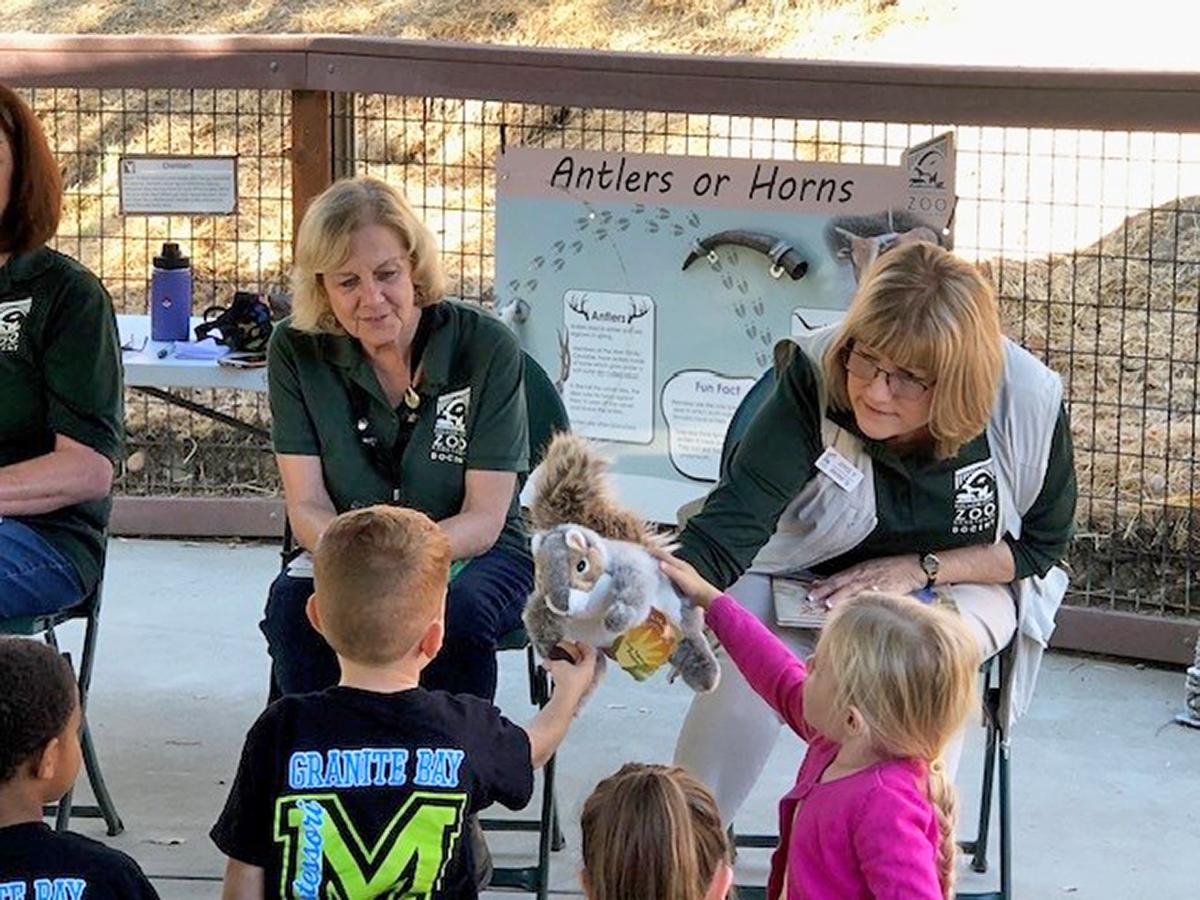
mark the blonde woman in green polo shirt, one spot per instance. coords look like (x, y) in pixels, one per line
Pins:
(910, 449)
(60, 388)
(383, 392)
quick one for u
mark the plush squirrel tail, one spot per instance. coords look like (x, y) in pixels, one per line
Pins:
(572, 486)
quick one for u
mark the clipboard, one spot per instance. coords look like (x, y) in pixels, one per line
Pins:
(793, 608)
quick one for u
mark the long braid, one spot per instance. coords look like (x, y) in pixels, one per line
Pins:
(944, 798)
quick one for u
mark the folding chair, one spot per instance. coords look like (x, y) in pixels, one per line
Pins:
(45, 625)
(547, 415)
(996, 760)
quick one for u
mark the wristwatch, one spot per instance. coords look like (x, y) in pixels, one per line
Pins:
(930, 565)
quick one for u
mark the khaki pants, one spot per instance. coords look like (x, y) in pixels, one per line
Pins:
(728, 735)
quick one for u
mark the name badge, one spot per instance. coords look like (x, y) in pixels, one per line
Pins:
(838, 468)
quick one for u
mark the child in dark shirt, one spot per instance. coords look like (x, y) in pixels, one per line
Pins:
(365, 789)
(39, 761)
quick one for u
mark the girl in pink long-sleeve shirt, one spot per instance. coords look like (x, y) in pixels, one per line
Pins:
(891, 681)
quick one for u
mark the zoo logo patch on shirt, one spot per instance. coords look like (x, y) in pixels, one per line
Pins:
(450, 427)
(12, 317)
(975, 505)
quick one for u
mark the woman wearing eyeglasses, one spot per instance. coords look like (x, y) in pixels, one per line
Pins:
(910, 448)
(381, 391)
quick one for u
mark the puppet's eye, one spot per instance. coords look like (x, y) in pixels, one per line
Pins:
(581, 566)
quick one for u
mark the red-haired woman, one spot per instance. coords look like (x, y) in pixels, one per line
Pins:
(60, 380)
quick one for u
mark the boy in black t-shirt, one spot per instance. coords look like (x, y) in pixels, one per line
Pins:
(39, 760)
(364, 790)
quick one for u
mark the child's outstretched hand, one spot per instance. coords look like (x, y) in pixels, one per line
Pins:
(687, 580)
(572, 666)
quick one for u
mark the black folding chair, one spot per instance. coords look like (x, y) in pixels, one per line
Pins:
(534, 879)
(45, 625)
(996, 761)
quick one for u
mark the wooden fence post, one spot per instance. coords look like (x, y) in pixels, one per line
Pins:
(312, 150)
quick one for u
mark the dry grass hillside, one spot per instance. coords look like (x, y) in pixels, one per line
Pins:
(1018, 32)
(768, 27)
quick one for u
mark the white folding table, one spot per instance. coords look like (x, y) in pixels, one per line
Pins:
(153, 368)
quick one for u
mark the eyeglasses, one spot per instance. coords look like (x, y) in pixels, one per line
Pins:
(903, 385)
(130, 344)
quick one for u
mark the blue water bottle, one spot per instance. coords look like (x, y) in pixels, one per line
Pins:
(170, 295)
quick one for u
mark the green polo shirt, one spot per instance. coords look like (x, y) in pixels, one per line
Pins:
(472, 415)
(922, 504)
(60, 373)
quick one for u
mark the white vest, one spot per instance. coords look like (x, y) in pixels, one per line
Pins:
(824, 520)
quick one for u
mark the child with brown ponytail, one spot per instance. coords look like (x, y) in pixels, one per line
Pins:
(654, 831)
(872, 813)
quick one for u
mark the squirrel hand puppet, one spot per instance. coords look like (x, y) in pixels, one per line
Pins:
(596, 581)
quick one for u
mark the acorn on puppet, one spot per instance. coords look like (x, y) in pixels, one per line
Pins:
(596, 580)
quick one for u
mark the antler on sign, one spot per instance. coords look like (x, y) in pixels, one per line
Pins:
(579, 305)
(637, 309)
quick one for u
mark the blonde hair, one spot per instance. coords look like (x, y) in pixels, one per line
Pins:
(910, 670)
(380, 577)
(323, 244)
(651, 831)
(925, 308)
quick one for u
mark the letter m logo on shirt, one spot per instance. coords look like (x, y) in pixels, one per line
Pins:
(325, 857)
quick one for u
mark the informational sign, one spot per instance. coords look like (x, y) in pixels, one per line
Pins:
(178, 185)
(654, 288)
(697, 406)
(609, 387)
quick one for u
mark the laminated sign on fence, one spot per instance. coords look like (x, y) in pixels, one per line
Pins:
(654, 288)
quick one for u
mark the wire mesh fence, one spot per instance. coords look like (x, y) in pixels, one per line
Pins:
(1093, 239)
(170, 450)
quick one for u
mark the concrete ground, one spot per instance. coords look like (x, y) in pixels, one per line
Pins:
(1106, 792)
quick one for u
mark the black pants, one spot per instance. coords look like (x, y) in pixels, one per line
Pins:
(484, 603)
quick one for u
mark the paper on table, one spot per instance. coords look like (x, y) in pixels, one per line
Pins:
(205, 349)
(301, 566)
(793, 609)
